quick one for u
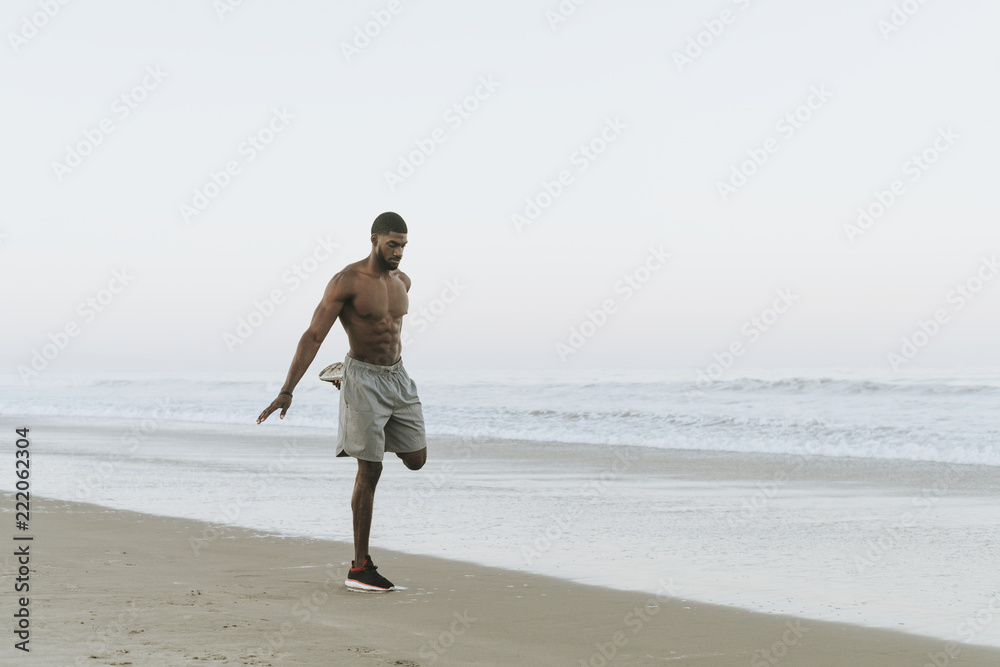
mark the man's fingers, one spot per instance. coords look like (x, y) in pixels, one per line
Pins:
(267, 413)
(274, 406)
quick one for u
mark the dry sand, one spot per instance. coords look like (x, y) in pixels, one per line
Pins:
(111, 587)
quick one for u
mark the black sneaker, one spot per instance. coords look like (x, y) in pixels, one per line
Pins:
(365, 578)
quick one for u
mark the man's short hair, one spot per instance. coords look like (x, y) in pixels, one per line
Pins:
(387, 223)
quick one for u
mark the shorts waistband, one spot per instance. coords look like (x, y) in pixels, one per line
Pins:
(350, 361)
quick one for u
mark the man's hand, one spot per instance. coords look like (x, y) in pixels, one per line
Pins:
(284, 401)
(336, 383)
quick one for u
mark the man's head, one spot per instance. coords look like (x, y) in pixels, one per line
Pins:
(388, 239)
(388, 222)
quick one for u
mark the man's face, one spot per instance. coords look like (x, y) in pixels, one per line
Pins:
(389, 249)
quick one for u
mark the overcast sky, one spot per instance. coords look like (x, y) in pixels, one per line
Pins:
(649, 175)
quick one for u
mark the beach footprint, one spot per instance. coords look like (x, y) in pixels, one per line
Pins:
(377, 654)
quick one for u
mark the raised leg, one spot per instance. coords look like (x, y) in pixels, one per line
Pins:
(414, 460)
(362, 502)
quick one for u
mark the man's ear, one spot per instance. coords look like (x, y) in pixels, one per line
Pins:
(374, 239)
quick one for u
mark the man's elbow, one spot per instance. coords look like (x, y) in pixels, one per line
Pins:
(312, 339)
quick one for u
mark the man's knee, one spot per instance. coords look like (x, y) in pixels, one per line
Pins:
(369, 472)
(414, 460)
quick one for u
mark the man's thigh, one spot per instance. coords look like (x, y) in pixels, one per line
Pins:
(404, 431)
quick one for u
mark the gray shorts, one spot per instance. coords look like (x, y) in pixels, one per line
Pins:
(379, 411)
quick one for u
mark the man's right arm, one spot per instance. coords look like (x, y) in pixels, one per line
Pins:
(338, 292)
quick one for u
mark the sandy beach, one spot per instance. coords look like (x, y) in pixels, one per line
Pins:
(112, 587)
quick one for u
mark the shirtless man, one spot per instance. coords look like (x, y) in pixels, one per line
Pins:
(379, 408)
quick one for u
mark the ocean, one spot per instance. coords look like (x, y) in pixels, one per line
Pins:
(945, 417)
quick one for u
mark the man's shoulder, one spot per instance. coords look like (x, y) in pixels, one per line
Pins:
(351, 272)
(405, 278)
(345, 282)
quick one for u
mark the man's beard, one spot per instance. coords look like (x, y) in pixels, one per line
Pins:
(388, 263)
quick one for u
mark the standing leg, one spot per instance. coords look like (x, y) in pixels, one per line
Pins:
(362, 502)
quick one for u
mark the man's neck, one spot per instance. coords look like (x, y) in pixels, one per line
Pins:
(377, 267)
